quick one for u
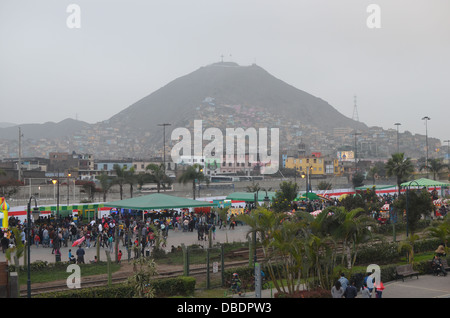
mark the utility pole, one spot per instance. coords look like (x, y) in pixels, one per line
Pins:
(426, 118)
(19, 164)
(356, 152)
(398, 145)
(164, 144)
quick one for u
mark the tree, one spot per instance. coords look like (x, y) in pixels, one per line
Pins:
(441, 232)
(158, 175)
(88, 187)
(282, 202)
(408, 247)
(358, 180)
(193, 174)
(254, 187)
(350, 227)
(373, 174)
(416, 203)
(105, 183)
(123, 176)
(144, 270)
(281, 245)
(130, 179)
(435, 166)
(400, 167)
(323, 185)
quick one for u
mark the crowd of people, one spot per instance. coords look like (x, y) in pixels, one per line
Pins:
(133, 231)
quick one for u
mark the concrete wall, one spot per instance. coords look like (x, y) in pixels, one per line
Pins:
(47, 194)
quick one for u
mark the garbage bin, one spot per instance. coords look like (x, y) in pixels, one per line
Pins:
(57, 257)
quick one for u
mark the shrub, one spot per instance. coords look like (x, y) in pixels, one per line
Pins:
(315, 293)
(179, 286)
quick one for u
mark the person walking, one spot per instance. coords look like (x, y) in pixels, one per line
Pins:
(379, 287)
(351, 291)
(365, 292)
(344, 281)
(337, 291)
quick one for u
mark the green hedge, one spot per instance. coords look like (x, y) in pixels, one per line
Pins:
(179, 286)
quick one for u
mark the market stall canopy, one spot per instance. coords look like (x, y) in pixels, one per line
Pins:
(157, 201)
(250, 196)
(309, 196)
(424, 182)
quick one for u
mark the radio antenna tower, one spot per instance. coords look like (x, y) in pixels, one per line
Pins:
(355, 110)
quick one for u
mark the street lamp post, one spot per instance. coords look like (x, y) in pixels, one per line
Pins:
(426, 118)
(68, 194)
(28, 241)
(56, 181)
(398, 144)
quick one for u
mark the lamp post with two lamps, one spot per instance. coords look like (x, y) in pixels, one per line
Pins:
(56, 182)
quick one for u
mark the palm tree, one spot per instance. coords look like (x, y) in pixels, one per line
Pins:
(121, 177)
(193, 174)
(400, 167)
(158, 175)
(372, 174)
(105, 183)
(280, 243)
(130, 179)
(408, 247)
(435, 166)
(442, 232)
(350, 227)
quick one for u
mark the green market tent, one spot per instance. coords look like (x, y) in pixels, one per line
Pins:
(250, 196)
(157, 201)
(308, 196)
(424, 182)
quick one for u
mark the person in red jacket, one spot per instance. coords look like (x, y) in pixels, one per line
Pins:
(37, 240)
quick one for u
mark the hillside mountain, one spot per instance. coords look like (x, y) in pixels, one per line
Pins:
(223, 95)
(50, 130)
(228, 84)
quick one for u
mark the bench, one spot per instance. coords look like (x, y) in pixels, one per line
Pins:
(405, 271)
(445, 264)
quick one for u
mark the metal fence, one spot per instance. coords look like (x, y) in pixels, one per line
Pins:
(206, 263)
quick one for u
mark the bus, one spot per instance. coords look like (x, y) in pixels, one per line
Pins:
(214, 179)
(152, 188)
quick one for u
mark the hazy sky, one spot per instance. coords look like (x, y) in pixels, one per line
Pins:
(125, 50)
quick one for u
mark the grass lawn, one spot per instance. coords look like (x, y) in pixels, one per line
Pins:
(59, 273)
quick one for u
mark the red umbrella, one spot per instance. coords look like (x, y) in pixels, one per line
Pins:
(79, 241)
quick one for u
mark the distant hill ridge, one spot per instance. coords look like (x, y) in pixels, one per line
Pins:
(226, 82)
(64, 128)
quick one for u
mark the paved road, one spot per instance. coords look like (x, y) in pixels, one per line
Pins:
(427, 286)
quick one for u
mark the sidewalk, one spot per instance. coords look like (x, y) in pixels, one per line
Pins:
(427, 286)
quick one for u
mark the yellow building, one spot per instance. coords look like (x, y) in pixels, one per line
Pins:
(317, 165)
